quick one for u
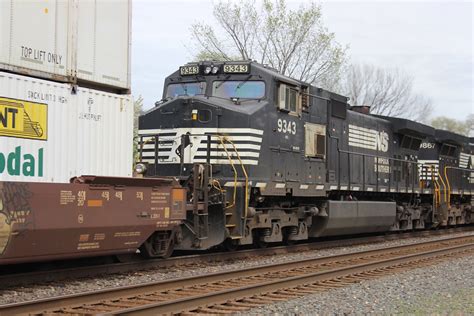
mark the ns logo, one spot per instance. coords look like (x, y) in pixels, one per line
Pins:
(381, 141)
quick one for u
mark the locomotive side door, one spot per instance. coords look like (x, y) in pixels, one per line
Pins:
(315, 153)
(287, 136)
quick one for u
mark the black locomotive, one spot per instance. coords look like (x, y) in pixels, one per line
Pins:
(296, 161)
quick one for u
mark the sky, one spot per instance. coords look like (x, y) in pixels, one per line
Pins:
(432, 41)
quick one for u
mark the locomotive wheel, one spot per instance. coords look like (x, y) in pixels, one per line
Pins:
(260, 243)
(287, 232)
(159, 245)
(231, 244)
(287, 241)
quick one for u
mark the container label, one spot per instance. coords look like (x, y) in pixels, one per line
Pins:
(18, 163)
(23, 119)
(41, 56)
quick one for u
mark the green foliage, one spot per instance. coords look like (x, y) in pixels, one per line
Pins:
(465, 127)
(295, 42)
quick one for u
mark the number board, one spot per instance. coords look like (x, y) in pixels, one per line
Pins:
(188, 70)
(236, 68)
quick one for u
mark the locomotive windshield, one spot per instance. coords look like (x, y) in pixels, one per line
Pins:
(185, 88)
(239, 89)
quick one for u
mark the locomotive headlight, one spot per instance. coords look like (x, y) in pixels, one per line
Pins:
(207, 70)
(194, 115)
(214, 70)
(140, 168)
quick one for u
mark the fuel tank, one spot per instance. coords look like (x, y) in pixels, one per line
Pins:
(353, 217)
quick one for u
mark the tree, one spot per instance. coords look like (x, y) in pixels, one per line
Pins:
(137, 108)
(294, 42)
(465, 127)
(387, 91)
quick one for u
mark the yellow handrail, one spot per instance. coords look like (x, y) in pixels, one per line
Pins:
(436, 184)
(449, 185)
(246, 178)
(444, 186)
(222, 139)
(233, 168)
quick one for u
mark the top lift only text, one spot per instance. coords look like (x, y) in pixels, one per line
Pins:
(41, 55)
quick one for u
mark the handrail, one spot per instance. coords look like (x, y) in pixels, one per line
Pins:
(222, 139)
(444, 186)
(448, 184)
(233, 168)
(437, 193)
(246, 178)
(447, 178)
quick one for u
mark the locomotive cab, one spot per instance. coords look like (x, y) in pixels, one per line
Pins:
(204, 104)
(212, 113)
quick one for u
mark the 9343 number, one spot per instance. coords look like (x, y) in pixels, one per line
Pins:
(189, 70)
(236, 68)
(285, 126)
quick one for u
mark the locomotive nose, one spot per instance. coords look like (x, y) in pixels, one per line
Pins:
(181, 112)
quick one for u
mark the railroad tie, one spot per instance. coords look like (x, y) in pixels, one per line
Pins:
(292, 291)
(210, 311)
(257, 300)
(231, 308)
(244, 305)
(121, 304)
(140, 300)
(275, 297)
(305, 290)
(98, 308)
(287, 293)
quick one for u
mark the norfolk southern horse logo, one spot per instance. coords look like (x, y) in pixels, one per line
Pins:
(367, 138)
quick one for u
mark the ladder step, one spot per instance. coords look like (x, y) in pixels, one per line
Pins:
(202, 214)
(229, 214)
(230, 225)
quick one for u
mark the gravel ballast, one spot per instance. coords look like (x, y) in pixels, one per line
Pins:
(33, 292)
(440, 289)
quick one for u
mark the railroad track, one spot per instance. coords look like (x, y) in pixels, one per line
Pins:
(9, 279)
(240, 290)
(137, 264)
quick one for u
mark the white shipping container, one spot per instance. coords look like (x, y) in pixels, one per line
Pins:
(34, 37)
(48, 134)
(65, 40)
(104, 42)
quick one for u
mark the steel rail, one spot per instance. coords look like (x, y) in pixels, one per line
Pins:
(54, 275)
(119, 298)
(195, 302)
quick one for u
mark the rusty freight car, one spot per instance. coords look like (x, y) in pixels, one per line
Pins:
(90, 216)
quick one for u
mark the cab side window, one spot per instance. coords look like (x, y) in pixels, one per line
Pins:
(289, 99)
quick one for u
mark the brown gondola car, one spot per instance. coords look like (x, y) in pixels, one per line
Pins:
(91, 216)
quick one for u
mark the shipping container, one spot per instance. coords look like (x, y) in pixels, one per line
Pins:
(83, 42)
(50, 132)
